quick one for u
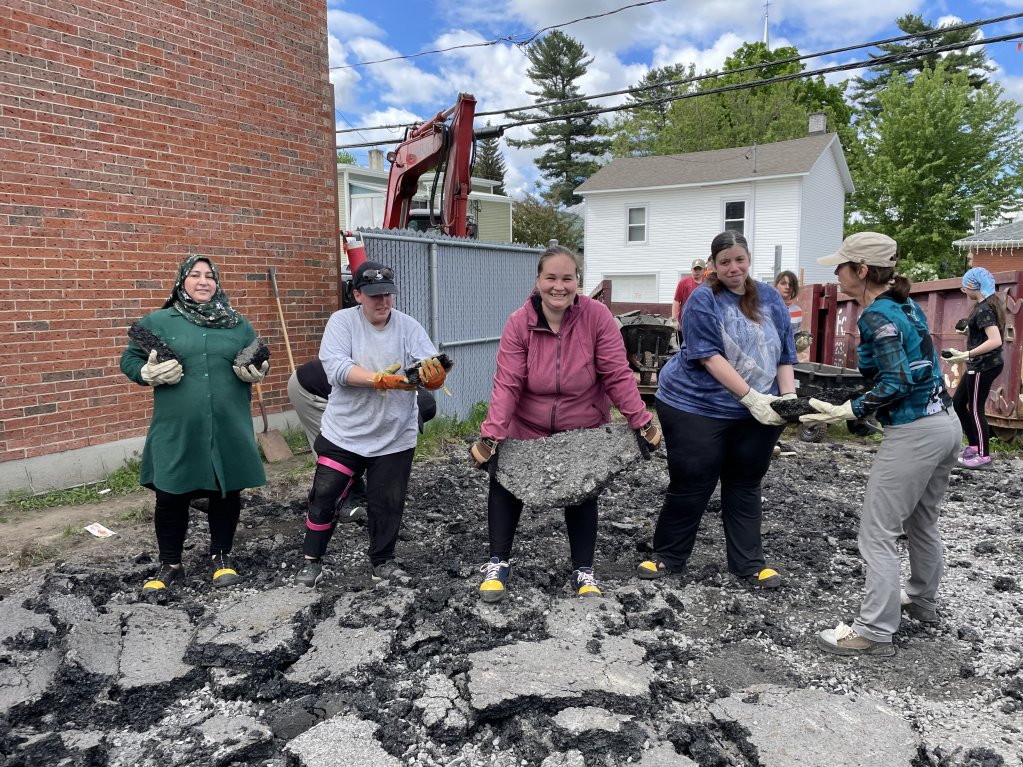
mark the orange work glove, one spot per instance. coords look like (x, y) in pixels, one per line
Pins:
(389, 379)
(432, 373)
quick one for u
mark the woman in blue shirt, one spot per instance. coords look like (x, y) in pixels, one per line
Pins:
(714, 406)
(921, 443)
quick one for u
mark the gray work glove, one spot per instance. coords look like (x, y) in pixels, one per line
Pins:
(759, 406)
(156, 373)
(250, 373)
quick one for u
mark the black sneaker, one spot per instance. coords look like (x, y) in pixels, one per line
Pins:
(652, 569)
(224, 572)
(389, 571)
(311, 574)
(165, 578)
(585, 584)
(764, 578)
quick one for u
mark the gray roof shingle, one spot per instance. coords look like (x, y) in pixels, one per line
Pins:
(782, 158)
(1008, 235)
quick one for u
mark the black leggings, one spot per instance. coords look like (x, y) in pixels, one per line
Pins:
(702, 450)
(969, 400)
(387, 478)
(504, 510)
(171, 518)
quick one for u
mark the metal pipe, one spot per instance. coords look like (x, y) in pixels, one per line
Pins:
(434, 295)
(469, 342)
(453, 242)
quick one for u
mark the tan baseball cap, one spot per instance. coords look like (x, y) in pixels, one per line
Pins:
(699, 264)
(870, 248)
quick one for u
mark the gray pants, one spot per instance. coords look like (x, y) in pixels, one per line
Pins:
(308, 407)
(904, 491)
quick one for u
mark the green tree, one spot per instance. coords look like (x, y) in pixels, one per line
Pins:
(490, 163)
(536, 221)
(573, 144)
(345, 157)
(937, 147)
(744, 116)
(972, 61)
(636, 132)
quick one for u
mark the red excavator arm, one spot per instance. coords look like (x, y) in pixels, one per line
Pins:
(427, 146)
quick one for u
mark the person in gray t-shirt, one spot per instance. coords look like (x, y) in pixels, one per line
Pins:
(371, 420)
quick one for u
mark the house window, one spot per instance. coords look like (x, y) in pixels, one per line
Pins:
(636, 225)
(735, 216)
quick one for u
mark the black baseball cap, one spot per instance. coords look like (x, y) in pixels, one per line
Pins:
(374, 279)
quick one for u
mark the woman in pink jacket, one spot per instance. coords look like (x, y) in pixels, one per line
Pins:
(560, 365)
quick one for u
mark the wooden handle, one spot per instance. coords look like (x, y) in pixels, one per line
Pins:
(262, 408)
(280, 313)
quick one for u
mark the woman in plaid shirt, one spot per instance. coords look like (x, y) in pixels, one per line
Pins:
(912, 466)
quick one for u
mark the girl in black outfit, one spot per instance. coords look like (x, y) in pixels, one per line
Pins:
(983, 358)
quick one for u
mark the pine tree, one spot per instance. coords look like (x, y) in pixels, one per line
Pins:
(637, 131)
(972, 61)
(490, 162)
(574, 144)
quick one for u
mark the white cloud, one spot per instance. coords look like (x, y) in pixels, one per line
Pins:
(397, 82)
(344, 24)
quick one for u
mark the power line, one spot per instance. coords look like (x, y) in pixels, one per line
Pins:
(506, 39)
(739, 70)
(887, 59)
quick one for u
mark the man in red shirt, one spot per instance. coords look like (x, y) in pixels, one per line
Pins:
(683, 290)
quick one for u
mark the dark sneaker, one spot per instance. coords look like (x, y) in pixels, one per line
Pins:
(351, 508)
(652, 569)
(389, 571)
(310, 574)
(495, 575)
(585, 584)
(917, 612)
(353, 514)
(766, 578)
(842, 640)
(224, 572)
(165, 578)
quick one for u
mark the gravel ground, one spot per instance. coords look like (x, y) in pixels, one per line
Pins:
(410, 673)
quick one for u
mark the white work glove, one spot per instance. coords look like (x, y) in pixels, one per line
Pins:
(790, 395)
(760, 406)
(250, 373)
(155, 373)
(828, 413)
(952, 356)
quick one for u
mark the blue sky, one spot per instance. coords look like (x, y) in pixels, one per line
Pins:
(624, 46)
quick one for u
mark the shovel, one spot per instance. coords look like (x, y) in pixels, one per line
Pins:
(272, 443)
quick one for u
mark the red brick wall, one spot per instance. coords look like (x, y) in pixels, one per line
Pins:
(995, 261)
(133, 133)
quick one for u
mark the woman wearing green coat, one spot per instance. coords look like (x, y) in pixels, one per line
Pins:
(200, 442)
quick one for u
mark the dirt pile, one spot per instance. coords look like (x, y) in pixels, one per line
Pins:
(698, 670)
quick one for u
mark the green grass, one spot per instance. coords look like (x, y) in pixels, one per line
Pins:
(443, 431)
(295, 437)
(123, 481)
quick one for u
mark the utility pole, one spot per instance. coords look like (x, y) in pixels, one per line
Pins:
(976, 218)
(767, 42)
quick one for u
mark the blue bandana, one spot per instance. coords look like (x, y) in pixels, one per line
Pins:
(979, 278)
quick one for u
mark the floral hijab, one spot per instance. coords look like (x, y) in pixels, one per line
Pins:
(215, 313)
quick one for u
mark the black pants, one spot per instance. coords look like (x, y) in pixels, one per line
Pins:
(504, 511)
(701, 451)
(387, 479)
(969, 400)
(171, 518)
